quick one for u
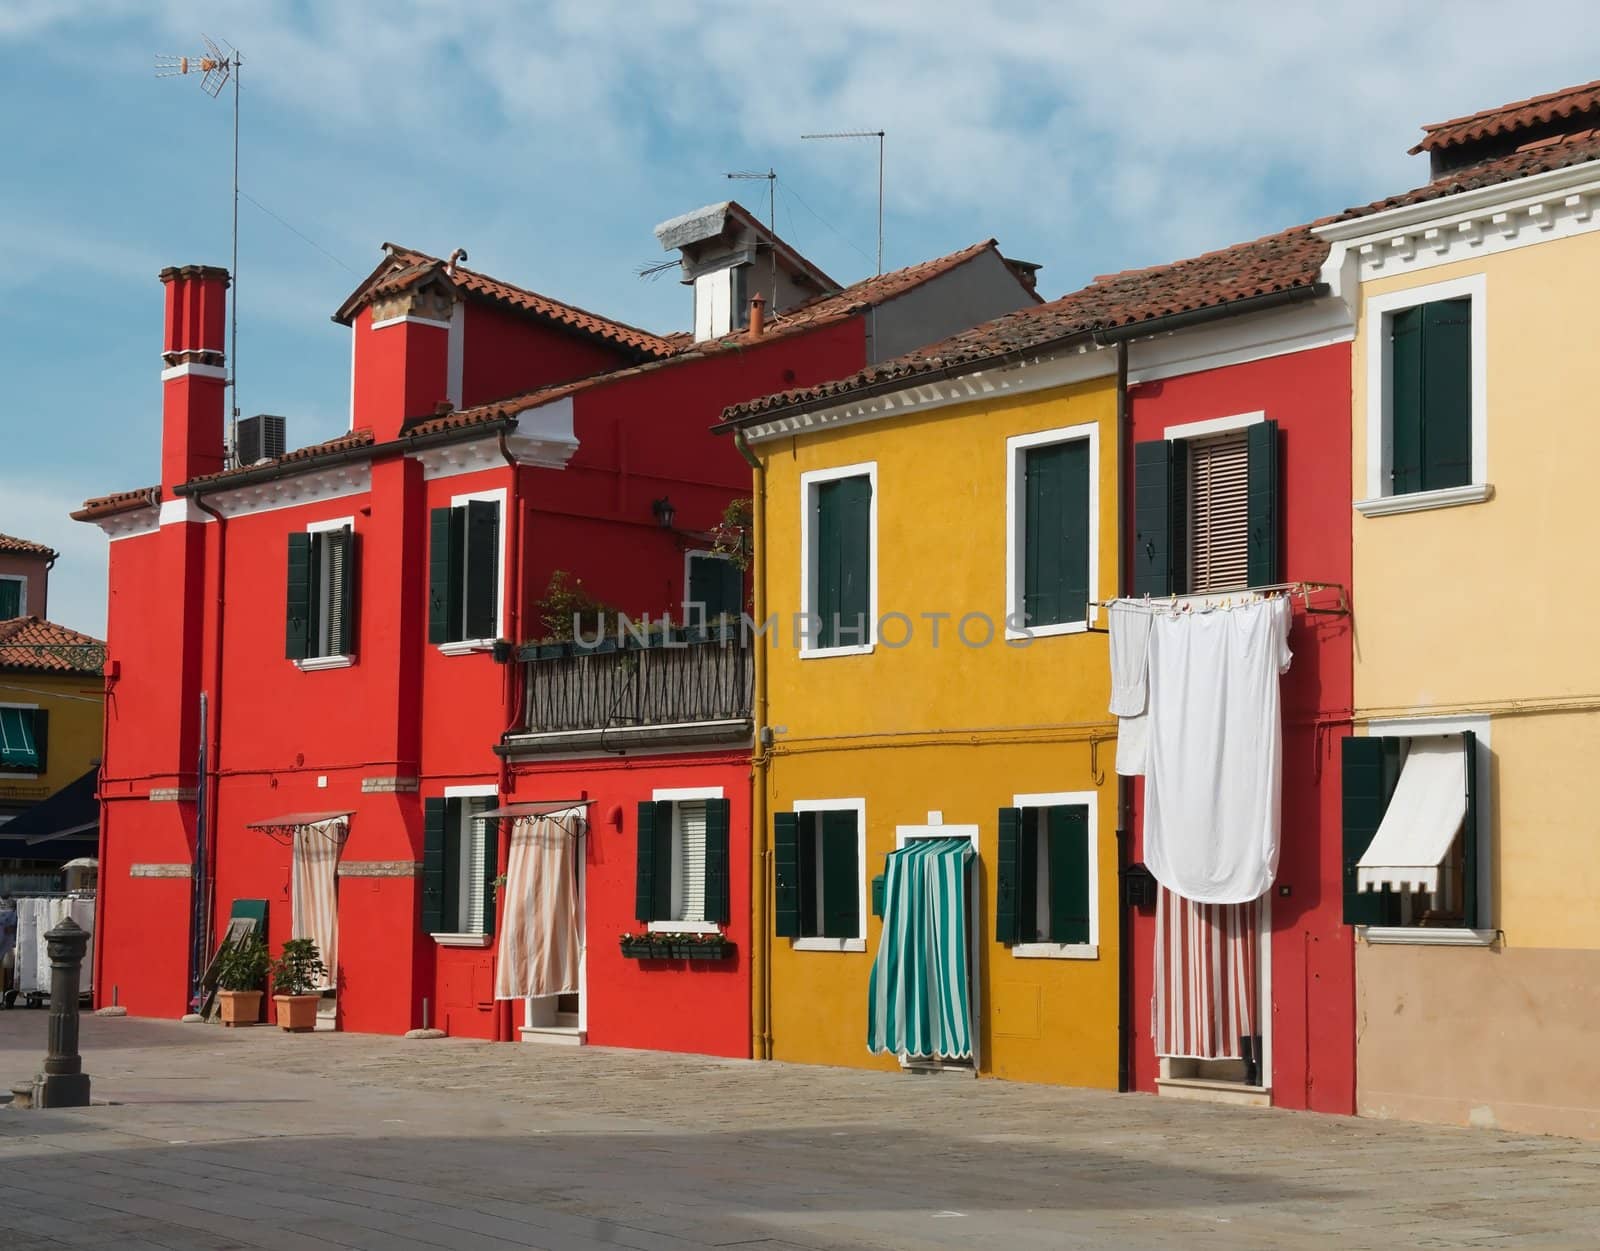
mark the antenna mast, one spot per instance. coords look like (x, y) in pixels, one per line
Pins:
(216, 68)
(863, 134)
(771, 177)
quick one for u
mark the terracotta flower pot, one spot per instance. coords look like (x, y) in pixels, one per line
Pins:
(240, 1007)
(297, 1013)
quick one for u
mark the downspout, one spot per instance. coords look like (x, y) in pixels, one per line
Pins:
(504, 1029)
(207, 838)
(1124, 785)
(97, 977)
(760, 931)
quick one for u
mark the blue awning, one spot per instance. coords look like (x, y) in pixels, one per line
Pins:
(57, 829)
(17, 748)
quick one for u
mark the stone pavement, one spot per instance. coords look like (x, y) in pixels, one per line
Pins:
(255, 1139)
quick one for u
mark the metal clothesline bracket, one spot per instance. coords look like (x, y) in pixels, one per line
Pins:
(1304, 590)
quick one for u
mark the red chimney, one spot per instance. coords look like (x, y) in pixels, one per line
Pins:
(194, 380)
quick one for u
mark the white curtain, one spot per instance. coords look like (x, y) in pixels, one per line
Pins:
(540, 943)
(315, 900)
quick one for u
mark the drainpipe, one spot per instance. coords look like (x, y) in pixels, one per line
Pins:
(504, 1027)
(760, 931)
(97, 979)
(214, 754)
(1124, 785)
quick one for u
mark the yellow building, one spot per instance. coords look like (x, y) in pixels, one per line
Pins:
(1471, 855)
(937, 511)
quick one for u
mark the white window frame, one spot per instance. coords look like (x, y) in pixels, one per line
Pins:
(1458, 936)
(1017, 447)
(936, 828)
(1069, 951)
(22, 590)
(809, 482)
(1377, 318)
(859, 942)
(327, 660)
(688, 557)
(674, 795)
(466, 939)
(463, 647)
(10, 775)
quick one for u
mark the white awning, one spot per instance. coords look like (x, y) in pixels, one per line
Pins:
(542, 808)
(1422, 820)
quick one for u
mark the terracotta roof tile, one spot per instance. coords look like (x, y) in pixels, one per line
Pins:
(121, 502)
(26, 547)
(405, 267)
(21, 639)
(1280, 262)
(1509, 118)
(315, 451)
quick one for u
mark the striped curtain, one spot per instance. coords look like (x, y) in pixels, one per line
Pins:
(315, 901)
(918, 998)
(540, 942)
(1207, 990)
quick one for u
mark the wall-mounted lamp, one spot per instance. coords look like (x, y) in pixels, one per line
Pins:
(664, 512)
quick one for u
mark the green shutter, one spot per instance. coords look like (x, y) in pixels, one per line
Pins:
(1405, 401)
(716, 587)
(1475, 913)
(806, 894)
(786, 875)
(880, 886)
(347, 544)
(450, 909)
(718, 819)
(445, 536)
(1371, 769)
(299, 626)
(483, 569)
(841, 875)
(1068, 831)
(646, 869)
(41, 740)
(1055, 533)
(1028, 927)
(1446, 393)
(843, 555)
(1160, 477)
(491, 861)
(10, 599)
(1006, 926)
(433, 860)
(1263, 565)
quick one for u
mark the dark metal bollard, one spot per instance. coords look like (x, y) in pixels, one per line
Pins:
(65, 1084)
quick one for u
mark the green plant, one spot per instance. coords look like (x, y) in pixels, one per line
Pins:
(242, 965)
(299, 969)
(731, 536)
(566, 604)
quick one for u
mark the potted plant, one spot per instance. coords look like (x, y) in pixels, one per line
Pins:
(296, 975)
(241, 980)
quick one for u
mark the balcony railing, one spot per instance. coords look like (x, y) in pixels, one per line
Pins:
(610, 695)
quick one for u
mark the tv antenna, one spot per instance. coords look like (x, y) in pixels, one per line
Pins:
(863, 134)
(216, 68)
(771, 179)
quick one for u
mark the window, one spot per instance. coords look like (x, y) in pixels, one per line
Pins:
(713, 588)
(1414, 842)
(464, 571)
(1052, 501)
(320, 605)
(817, 861)
(1206, 508)
(13, 596)
(1044, 902)
(24, 737)
(839, 539)
(460, 861)
(681, 876)
(721, 302)
(1425, 388)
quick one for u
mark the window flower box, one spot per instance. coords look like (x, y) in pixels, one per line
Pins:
(676, 947)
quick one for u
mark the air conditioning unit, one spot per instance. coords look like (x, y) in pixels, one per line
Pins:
(260, 438)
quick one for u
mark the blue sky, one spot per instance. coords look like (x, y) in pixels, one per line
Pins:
(548, 138)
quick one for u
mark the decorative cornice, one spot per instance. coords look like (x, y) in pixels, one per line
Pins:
(130, 524)
(1236, 340)
(429, 302)
(310, 486)
(179, 365)
(1422, 501)
(542, 436)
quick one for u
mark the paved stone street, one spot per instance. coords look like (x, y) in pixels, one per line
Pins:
(221, 1139)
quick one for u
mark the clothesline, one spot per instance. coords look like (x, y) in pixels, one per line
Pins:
(1211, 600)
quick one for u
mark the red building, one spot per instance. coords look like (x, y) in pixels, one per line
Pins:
(317, 679)
(1200, 400)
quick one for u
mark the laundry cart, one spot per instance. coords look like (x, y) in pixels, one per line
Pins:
(37, 915)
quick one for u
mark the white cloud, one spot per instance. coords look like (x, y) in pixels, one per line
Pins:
(38, 511)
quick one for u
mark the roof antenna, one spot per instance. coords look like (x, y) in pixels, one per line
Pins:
(863, 134)
(771, 177)
(216, 67)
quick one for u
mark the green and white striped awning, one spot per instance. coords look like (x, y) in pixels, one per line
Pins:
(919, 1001)
(17, 748)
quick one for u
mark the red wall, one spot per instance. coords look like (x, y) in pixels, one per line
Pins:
(506, 354)
(1313, 972)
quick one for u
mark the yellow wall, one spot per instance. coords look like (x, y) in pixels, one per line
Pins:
(75, 725)
(952, 729)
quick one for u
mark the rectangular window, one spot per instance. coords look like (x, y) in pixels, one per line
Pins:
(714, 589)
(24, 737)
(1430, 396)
(817, 864)
(320, 603)
(1043, 886)
(464, 572)
(839, 538)
(1055, 531)
(682, 868)
(460, 863)
(1413, 838)
(1219, 530)
(12, 598)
